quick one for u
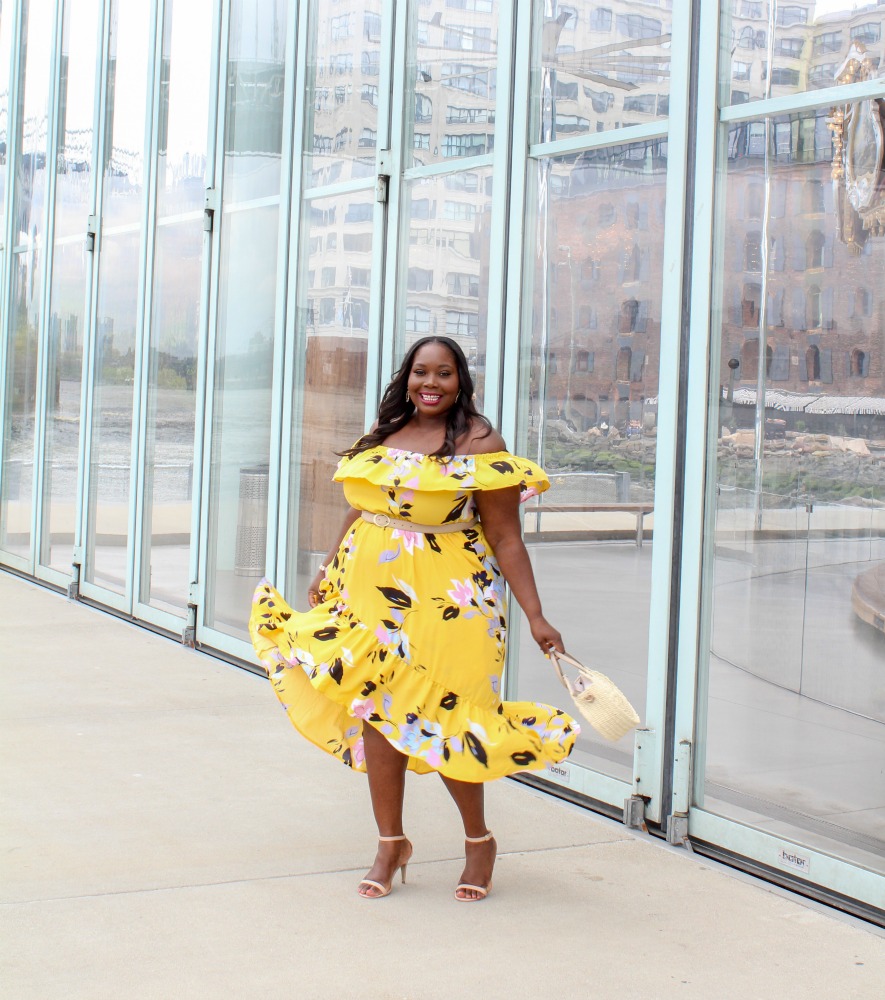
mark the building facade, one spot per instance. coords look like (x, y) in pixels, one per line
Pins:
(658, 232)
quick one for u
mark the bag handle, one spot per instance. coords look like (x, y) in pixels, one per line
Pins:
(555, 656)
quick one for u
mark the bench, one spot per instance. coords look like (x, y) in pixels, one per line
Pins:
(587, 493)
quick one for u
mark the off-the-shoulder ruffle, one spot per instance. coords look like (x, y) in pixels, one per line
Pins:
(383, 466)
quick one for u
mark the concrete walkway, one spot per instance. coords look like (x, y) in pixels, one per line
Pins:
(166, 835)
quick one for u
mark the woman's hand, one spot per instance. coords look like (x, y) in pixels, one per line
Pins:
(313, 590)
(545, 635)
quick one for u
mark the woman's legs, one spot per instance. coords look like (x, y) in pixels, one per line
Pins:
(470, 799)
(386, 770)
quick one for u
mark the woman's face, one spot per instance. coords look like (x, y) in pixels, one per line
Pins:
(433, 380)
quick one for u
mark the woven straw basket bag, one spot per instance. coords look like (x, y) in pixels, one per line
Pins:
(597, 698)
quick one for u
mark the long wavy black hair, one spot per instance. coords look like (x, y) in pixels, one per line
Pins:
(397, 409)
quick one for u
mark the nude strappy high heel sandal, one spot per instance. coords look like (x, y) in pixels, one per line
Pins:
(483, 890)
(384, 890)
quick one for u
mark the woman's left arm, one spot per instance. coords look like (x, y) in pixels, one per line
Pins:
(499, 514)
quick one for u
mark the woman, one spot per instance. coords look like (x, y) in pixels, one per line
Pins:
(398, 663)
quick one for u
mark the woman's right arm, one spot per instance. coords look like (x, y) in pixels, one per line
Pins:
(313, 591)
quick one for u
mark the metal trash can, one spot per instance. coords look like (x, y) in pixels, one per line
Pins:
(252, 521)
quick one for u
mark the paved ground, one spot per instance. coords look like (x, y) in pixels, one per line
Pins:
(166, 835)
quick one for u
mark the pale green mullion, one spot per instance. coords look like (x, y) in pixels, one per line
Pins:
(215, 124)
(139, 452)
(504, 107)
(454, 165)
(207, 370)
(279, 461)
(13, 152)
(518, 289)
(376, 356)
(139, 378)
(332, 190)
(668, 396)
(86, 380)
(45, 278)
(698, 527)
(808, 101)
(392, 242)
(614, 137)
(290, 443)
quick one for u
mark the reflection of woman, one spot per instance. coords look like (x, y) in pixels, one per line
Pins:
(398, 665)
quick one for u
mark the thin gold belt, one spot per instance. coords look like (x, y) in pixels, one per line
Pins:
(386, 521)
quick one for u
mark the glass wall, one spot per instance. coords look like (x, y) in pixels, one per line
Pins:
(23, 311)
(794, 736)
(117, 299)
(68, 320)
(183, 119)
(591, 347)
(246, 311)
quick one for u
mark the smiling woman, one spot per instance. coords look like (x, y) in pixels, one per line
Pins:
(398, 664)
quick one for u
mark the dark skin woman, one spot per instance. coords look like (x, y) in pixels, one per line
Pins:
(428, 408)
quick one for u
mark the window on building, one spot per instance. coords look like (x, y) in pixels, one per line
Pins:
(813, 314)
(340, 26)
(461, 324)
(371, 26)
(341, 64)
(863, 302)
(600, 19)
(600, 100)
(625, 356)
(358, 242)
(814, 249)
(565, 90)
(327, 277)
(369, 94)
(829, 41)
(823, 75)
(467, 38)
(463, 210)
(468, 144)
(787, 16)
(783, 77)
(753, 252)
(420, 279)
(360, 277)
(789, 47)
(423, 109)
(751, 302)
(462, 284)
(370, 63)
(812, 363)
(417, 320)
(327, 312)
(740, 70)
(368, 138)
(629, 314)
(463, 180)
(858, 363)
(479, 80)
(645, 104)
(361, 211)
(868, 33)
(638, 26)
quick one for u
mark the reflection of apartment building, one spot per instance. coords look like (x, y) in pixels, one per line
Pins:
(806, 49)
(608, 65)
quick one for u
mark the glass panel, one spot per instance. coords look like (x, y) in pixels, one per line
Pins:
(336, 270)
(809, 45)
(343, 74)
(24, 305)
(599, 68)
(795, 732)
(175, 314)
(247, 320)
(6, 19)
(451, 66)
(588, 393)
(67, 297)
(444, 278)
(120, 265)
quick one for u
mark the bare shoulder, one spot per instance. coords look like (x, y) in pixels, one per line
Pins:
(481, 440)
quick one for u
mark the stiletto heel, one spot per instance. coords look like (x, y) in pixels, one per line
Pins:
(384, 890)
(483, 890)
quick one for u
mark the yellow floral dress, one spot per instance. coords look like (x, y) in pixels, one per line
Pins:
(410, 634)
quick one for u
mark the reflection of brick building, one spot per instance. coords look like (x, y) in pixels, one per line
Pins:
(824, 310)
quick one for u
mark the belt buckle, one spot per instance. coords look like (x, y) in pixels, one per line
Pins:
(381, 520)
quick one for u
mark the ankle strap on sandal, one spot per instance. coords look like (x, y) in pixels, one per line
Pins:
(402, 836)
(479, 840)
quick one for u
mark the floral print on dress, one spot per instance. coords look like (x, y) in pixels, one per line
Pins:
(410, 635)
